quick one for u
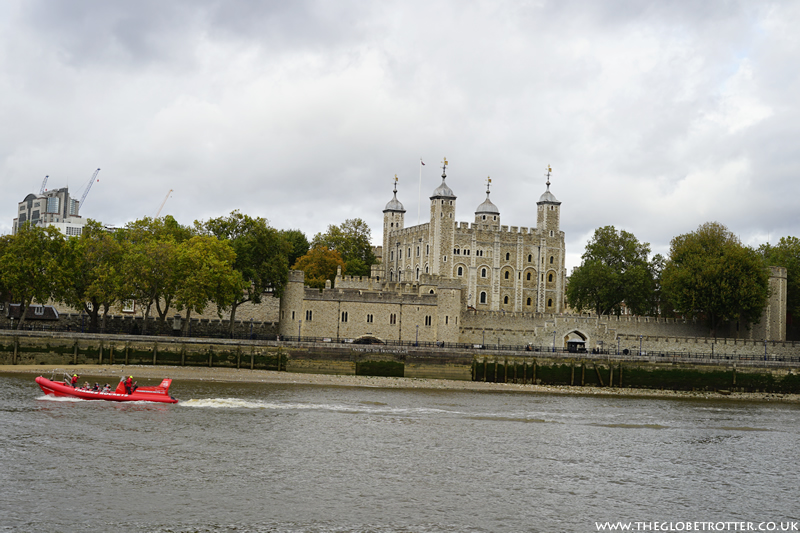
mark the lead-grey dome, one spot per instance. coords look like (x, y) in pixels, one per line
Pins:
(487, 207)
(394, 204)
(548, 197)
(443, 191)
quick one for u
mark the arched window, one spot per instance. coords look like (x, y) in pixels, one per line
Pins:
(550, 302)
(506, 274)
(417, 273)
(483, 272)
(529, 301)
(530, 258)
(505, 300)
(550, 277)
(460, 271)
(529, 276)
(508, 256)
(483, 297)
(551, 259)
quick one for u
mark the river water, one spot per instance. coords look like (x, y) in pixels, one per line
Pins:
(267, 458)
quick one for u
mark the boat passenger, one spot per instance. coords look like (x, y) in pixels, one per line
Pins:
(107, 388)
(86, 385)
(74, 380)
(129, 384)
(96, 387)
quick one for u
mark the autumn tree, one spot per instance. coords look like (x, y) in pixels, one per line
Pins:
(712, 276)
(262, 255)
(352, 240)
(319, 264)
(95, 277)
(30, 266)
(614, 270)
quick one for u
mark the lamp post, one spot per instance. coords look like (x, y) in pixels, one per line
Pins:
(554, 341)
(483, 343)
(416, 343)
(299, 329)
(617, 345)
(640, 345)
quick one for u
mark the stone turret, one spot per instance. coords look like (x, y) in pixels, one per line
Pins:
(442, 226)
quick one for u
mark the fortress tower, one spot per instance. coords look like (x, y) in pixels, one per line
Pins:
(393, 219)
(442, 226)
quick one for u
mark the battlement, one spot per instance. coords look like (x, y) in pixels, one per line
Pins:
(363, 296)
(468, 227)
(411, 230)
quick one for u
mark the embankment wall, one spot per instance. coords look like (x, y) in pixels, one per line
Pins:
(675, 373)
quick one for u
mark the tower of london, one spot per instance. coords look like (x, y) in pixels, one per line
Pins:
(434, 280)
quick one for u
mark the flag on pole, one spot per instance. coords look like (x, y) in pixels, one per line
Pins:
(421, 161)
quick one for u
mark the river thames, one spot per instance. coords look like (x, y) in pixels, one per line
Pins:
(281, 457)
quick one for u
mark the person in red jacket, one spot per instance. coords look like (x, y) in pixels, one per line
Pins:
(129, 384)
(74, 380)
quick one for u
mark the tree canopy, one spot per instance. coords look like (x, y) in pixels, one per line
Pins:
(31, 266)
(95, 278)
(712, 276)
(262, 255)
(352, 240)
(319, 264)
(614, 270)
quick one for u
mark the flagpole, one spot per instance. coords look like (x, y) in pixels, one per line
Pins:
(419, 200)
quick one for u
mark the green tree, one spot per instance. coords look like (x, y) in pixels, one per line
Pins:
(352, 239)
(206, 274)
(95, 276)
(614, 269)
(151, 251)
(30, 266)
(712, 276)
(261, 255)
(786, 254)
(299, 243)
(319, 264)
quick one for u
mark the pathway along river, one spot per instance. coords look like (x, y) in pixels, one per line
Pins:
(281, 457)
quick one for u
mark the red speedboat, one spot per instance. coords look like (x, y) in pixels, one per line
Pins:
(141, 394)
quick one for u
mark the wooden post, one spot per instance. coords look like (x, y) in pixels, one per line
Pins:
(505, 370)
(238, 357)
(572, 376)
(515, 370)
(210, 356)
(75, 354)
(495, 369)
(252, 358)
(583, 374)
(599, 377)
(183, 355)
(127, 347)
(734, 374)
(155, 353)
(111, 355)
(533, 378)
(16, 343)
(100, 356)
(610, 376)
(485, 369)
(525, 372)
(620, 374)
(473, 370)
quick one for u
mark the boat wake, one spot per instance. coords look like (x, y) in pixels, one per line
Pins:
(238, 403)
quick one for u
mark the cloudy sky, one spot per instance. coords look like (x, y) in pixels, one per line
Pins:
(655, 116)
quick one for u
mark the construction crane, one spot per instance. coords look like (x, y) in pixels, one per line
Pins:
(162, 203)
(88, 188)
(44, 184)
